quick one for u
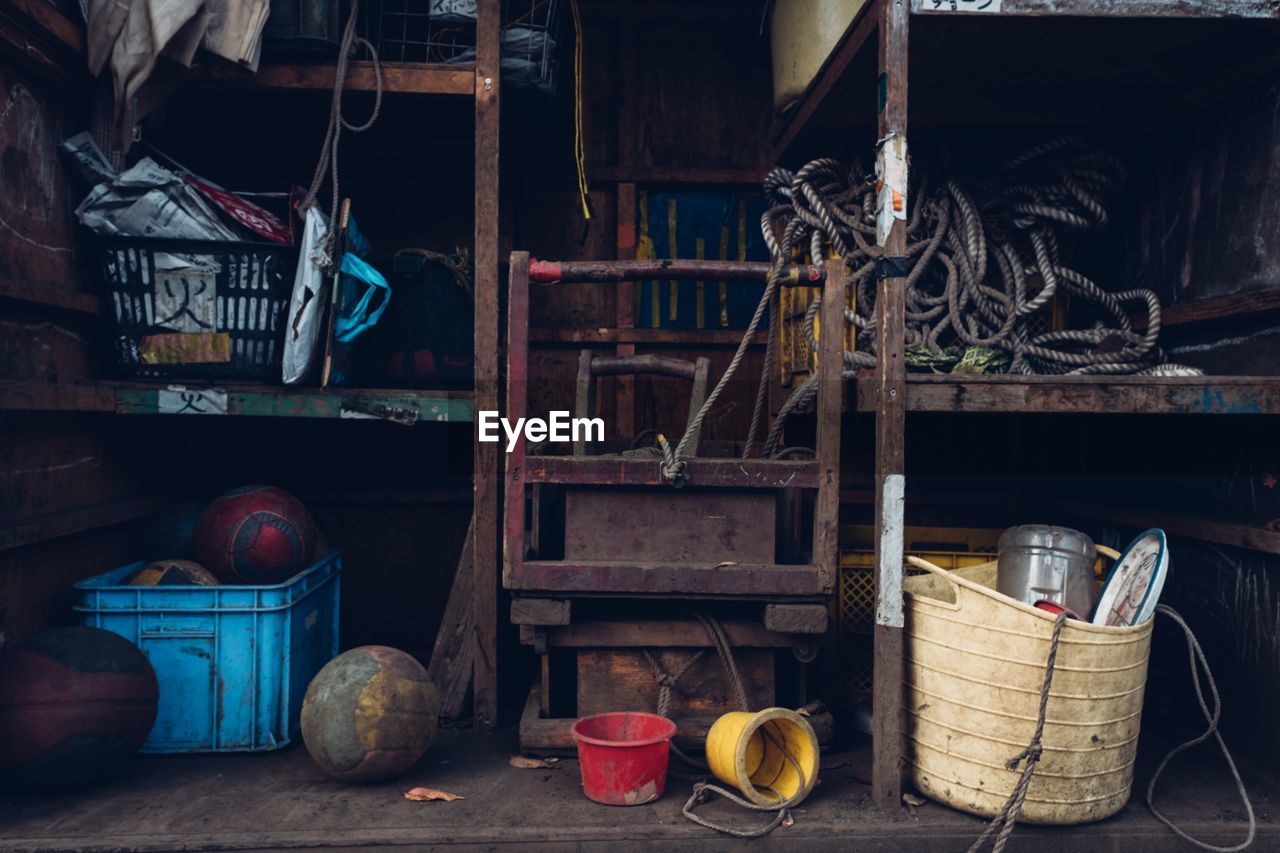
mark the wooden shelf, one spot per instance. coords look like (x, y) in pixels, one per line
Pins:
(1019, 71)
(398, 406)
(1120, 395)
(1253, 537)
(421, 78)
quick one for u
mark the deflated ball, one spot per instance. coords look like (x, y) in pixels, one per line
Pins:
(370, 714)
(173, 573)
(75, 704)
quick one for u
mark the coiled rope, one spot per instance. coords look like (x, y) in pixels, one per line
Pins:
(981, 262)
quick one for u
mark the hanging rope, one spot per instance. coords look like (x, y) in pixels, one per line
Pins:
(1198, 660)
(325, 256)
(1007, 817)
(579, 141)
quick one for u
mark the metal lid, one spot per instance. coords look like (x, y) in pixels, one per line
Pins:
(1047, 536)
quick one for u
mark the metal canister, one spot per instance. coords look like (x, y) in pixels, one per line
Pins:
(1039, 561)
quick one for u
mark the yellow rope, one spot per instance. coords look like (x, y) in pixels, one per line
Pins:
(579, 146)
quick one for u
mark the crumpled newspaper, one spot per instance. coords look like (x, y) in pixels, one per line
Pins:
(149, 200)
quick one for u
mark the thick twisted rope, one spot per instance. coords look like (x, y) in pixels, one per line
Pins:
(1007, 817)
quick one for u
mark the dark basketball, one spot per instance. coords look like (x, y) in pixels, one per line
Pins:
(171, 534)
(257, 535)
(75, 705)
(173, 573)
(370, 714)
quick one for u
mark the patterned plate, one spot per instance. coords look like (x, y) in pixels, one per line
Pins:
(1133, 587)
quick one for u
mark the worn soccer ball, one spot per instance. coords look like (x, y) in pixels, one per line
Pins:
(370, 714)
(173, 573)
(255, 535)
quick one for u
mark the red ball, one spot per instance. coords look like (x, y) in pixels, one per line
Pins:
(75, 703)
(257, 535)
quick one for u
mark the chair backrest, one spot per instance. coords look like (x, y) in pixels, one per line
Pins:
(591, 366)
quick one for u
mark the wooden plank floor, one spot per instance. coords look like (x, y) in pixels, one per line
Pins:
(281, 801)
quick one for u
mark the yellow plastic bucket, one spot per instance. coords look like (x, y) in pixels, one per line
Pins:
(750, 751)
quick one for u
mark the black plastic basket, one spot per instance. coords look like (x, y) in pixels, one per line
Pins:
(235, 296)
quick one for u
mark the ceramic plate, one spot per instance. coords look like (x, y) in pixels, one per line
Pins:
(1133, 587)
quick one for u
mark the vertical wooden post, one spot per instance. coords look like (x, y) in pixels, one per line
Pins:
(625, 308)
(891, 207)
(826, 511)
(485, 483)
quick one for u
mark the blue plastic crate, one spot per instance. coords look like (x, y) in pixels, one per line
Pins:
(233, 662)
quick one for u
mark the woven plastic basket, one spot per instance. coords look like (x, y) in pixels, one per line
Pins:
(975, 663)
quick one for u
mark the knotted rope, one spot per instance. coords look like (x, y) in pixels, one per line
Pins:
(1007, 817)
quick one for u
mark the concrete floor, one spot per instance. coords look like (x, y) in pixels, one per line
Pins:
(281, 801)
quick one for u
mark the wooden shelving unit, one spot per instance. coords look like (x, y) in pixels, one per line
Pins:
(419, 78)
(997, 69)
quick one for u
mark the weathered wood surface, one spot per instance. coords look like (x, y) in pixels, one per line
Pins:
(27, 531)
(1114, 8)
(1254, 537)
(1217, 307)
(49, 294)
(1194, 395)
(631, 336)
(662, 633)
(826, 509)
(669, 526)
(700, 579)
(487, 469)
(452, 657)
(578, 272)
(412, 77)
(56, 397)
(751, 178)
(622, 679)
(630, 471)
(540, 611)
(890, 428)
(404, 407)
(796, 618)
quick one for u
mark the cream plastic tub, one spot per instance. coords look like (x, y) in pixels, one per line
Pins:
(975, 662)
(801, 35)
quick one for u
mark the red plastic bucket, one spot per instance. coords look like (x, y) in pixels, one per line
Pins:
(623, 756)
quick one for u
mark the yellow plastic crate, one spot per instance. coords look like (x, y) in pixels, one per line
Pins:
(854, 610)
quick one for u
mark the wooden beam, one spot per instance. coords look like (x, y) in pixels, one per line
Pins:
(664, 633)
(408, 77)
(633, 471)
(891, 399)
(1254, 537)
(632, 336)
(49, 294)
(826, 510)
(28, 531)
(57, 397)
(625, 308)
(676, 175)
(452, 657)
(1136, 395)
(796, 618)
(756, 581)
(540, 611)
(1214, 308)
(487, 471)
(46, 16)
(402, 407)
(1112, 8)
